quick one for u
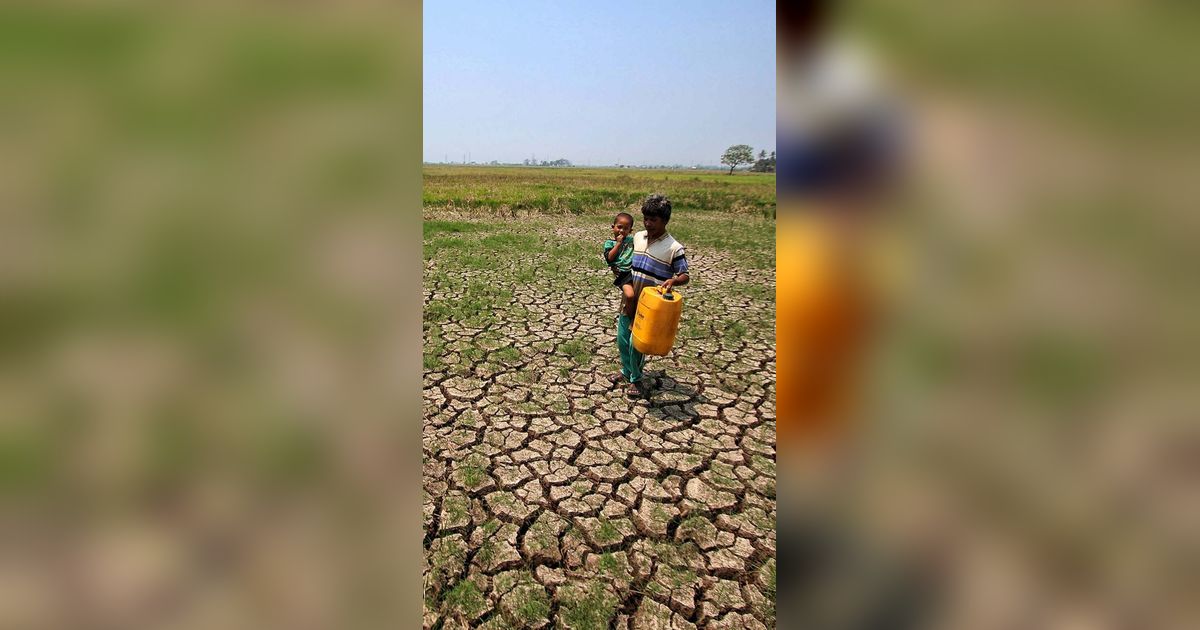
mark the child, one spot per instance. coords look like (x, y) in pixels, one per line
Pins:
(618, 253)
(658, 260)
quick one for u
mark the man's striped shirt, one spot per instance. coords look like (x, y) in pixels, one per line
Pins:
(656, 262)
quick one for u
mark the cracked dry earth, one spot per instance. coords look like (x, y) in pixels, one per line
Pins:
(550, 499)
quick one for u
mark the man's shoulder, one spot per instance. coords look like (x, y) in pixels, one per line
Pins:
(671, 242)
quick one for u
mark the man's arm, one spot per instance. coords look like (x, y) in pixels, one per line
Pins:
(679, 267)
(676, 281)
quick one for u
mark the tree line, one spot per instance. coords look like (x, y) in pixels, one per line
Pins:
(739, 154)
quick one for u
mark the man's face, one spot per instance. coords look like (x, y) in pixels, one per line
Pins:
(655, 225)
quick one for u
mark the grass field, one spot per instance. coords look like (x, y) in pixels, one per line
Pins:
(593, 190)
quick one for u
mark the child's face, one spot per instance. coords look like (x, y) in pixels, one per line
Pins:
(623, 225)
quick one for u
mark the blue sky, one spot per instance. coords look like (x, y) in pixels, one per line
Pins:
(597, 82)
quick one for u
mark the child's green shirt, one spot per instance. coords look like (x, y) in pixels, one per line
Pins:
(624, 259)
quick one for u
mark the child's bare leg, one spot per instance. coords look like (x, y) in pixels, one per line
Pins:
(627, 291)
(629, 307)
(621, 310)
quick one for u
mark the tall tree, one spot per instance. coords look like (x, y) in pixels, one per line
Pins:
(764, 164)
(737, 154)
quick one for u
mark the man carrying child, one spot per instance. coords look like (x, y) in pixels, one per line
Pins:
(658, 259)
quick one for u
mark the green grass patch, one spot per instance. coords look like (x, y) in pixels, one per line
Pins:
(443, 244)
(525, 275)
(509, 355)
(759, 292)
(578, 350)
(466, 259)
(473, 354)
(438, 311)
(769, 593)
(465, 597)
(508, 242)
(533, 606)
(734, 329)
(608, 563)
(447, 559)
(592, 611)
(472, 473)
(456, 508)
(431, 356)
(486, 553)
(750, 240)
(606, 532)
(500, 191)
(433, 228)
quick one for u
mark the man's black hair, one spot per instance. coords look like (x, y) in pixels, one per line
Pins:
(657, 206)
(623, 214)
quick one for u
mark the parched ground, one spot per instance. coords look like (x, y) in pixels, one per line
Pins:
(552, 500)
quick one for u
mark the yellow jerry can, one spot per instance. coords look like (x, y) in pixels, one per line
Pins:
(657, 320)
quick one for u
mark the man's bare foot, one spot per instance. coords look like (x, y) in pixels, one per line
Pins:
(635, 390)
(616, 379)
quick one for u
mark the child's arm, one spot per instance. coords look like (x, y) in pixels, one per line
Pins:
(613, 247)
(610, 251)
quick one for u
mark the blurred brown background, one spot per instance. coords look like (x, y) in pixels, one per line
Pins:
(1028, 434)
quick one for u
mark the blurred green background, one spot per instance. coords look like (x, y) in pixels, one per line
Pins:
(209, 243)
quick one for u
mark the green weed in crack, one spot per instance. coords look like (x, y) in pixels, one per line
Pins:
(734, 329)
(472, 474)
(578, 350)
(591, 611)
(608, 563)
(464, 598)
(606, 532)
(431, 357)
(533, 606)
(486, 553)
(456, 508)
(508, 355)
